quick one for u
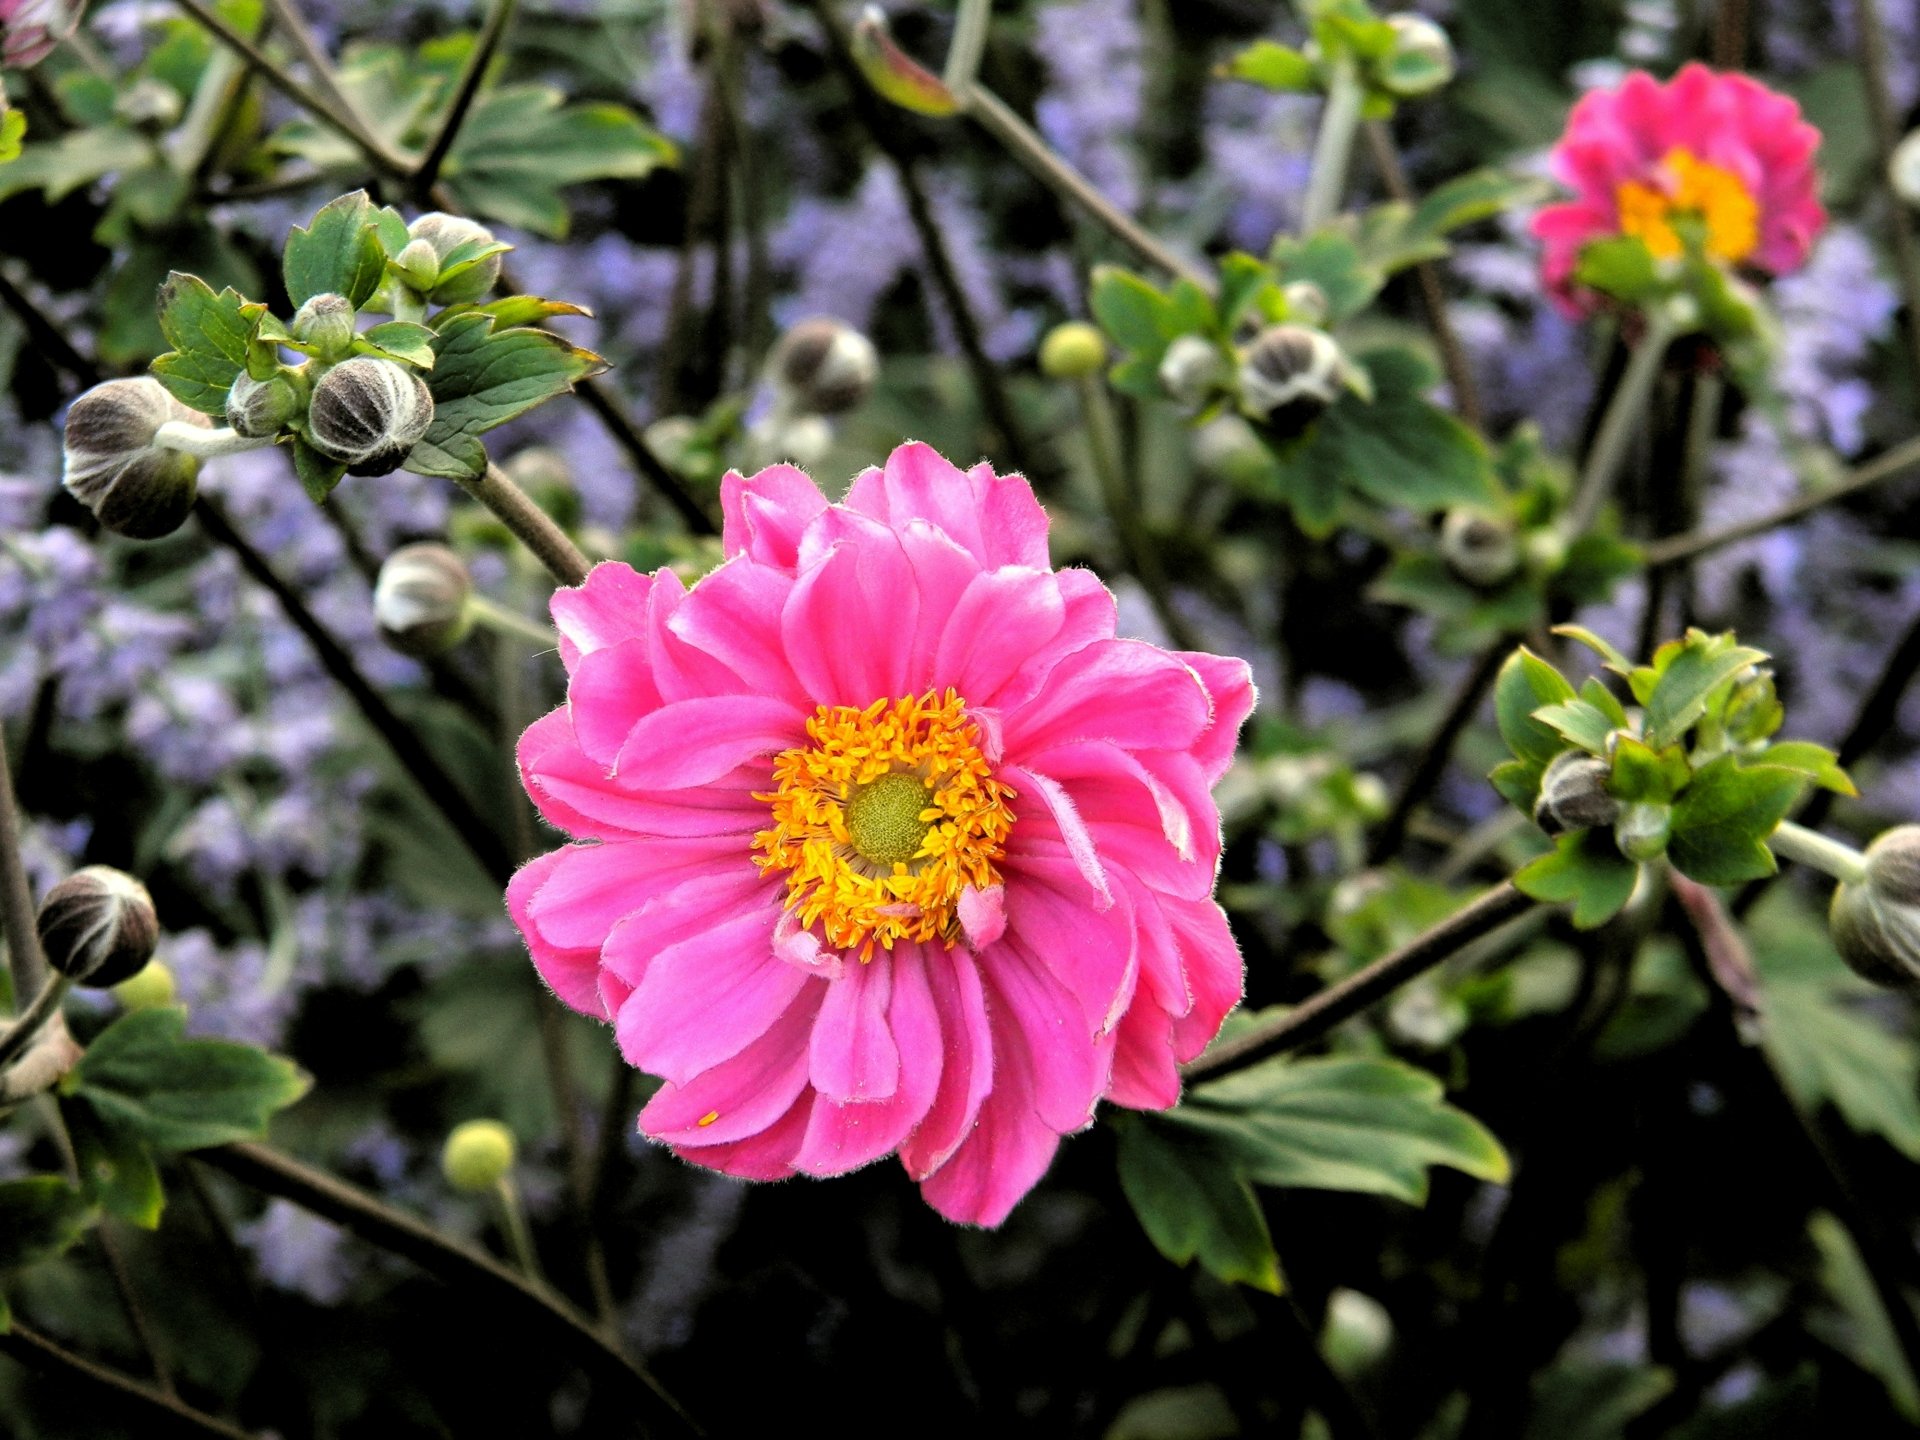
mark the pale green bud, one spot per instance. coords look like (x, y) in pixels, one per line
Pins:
(444, 234)
(148, 988)
(1193, 372)
(258, 409)
(1478, 547)
(478, 1154)
(1641, 831)
(1421, 60)
(326, 322)
(1073, 351)
(420, 599)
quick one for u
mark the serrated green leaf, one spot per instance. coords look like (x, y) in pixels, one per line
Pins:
(212, 336)
(1643, 774)
(1613, 659)
(1582, 722)
(1585, 868)
(1194, 1204)
(1133, 312)
(1477, 195)
(1602, 699)
(339, 253)
(1687, 681)
(143, 1075)
(1331, 260)
(1723, 817)
(317, 474)
(80, 157)
(399, 340)
(1816, 762)
(1524, 685)
(1246, 283)
(510, 312)
(1273, 66)
(39, 1218)
(1518, 782)
(483, 376)
(115, 1166)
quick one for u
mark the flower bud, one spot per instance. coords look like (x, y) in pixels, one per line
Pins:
(1478, 547)
(1306, 302)
(98, 926)
(1289, 375)
(1573, 794)
(444, 234)
(148, 988)
(1641, 831)
(1193, 372)
(1903, 169)
(1753, 709)
(825, 366)
(258, 409)
(1876, 923)
(418, 266)
(1544, 550)
(1073, 351)
(420, 600)
(368, 414)
(326, 323)
(132, 486)
(1421, 60)
(150, 105)
(478, 1154)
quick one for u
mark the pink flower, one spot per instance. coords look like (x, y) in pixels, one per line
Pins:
(889, 845)
(29, 29)
(1720, 151)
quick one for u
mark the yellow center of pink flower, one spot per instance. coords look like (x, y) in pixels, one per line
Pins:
(884, 821)
(1691, 191)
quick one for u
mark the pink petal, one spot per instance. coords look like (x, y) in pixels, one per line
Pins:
(765, 514)
(1145, 1074)
(572, 972)
(1089, 951)
(577, 795)
(941, 573)
(854, 1056)
(849, 624)
(1045, 814)
(607, 607)
(746, 1095)
(983, 914)
(1215, 973)
(994, 518)
(1007, 1150)
(1089, 616)
(683, 906)
(1066, 1066)
(681, 671)
(1229, 683)
(966, 1060)
(996, 625)
(611, 691)
(589, 889)
(733, 614)
(768, 1155)
(1124, 691)
(695, 742)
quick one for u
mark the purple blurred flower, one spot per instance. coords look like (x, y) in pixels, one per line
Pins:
(300, 1252)
(1091, 110)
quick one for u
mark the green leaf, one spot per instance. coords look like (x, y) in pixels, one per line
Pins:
(1195, 1205)
(1641, 773)
(1615, 661)
(338, 254)
(39, 1218)
(896, 76)
(318, 474)
(1332, 261)
(1524, 685)
(1518, 782)
(80, 157)
(509, 312)
(483, 376)
(1342, 1123)
(399, 340)
(1723, 817)
(115, 1165)
(1274, 66)
(1816, 762)
(1477, 195)
(1622, 267)
(1687, 681)
(1582, 722)
(1602, 699)
(1593, 1402)
(13, 129)
(211, 336)
(1586, 868)
(1134, 313)
(1246, 283)
(142, 1074)
(1865, 1331)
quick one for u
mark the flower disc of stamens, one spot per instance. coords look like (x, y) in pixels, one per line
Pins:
(1691, 189)
(884, 820)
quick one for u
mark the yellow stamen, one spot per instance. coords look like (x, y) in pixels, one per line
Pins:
(884, 820)
(707, 1119)
(1688, 188)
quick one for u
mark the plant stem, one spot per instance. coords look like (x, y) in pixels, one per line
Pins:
(293, 24)
(519, 1236)
(1886, 135)
(534, 527)
(164, 1412)
(1617, 427)
(502, 621)
(526, 1303)
(968, 45)
(1332, 147)
(18, 1036)
(1685, 547)
(428, 170)
(1795, 842)
(197, 440)
(1319, 1013)
(25, 963)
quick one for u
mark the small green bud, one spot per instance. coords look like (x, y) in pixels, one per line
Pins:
(148, 988)
(1478, 547)
(1876, 924)
(98, 926)
(1421, 60)
(1641, 831)
(1073, 351)
(1193, 372)
(420, 600)
(149, 105)
(418, 266)
(1573, 794)
(478, 1154)
(824, 366)
(1289, 375)
(112, 466)
(368, 414)
(1306, 302)
(1544, 551)
(261, 408)
(444, 234)
(326, 322)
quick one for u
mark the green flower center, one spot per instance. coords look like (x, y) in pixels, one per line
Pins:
(883, 818)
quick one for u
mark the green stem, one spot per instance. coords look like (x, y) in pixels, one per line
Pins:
(1811, 848)
(207, 444)
(969, 44)
(535, 528)
(502, 621)
(18, 1036)
(1617, 427)
(1333, 146)
(25, 963)
(1103, 439)
(519, 1234)
(159, 1413)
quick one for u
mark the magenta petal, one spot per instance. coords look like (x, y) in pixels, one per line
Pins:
(744, 1096)
(769, 1155)
(609, 606)
(1042, 800)
(589, 889)
(850, 621)
(983, 914)
(704, 1000)
(1091, 952)
(577, 795)
(1215, 973)
(1066, 1065)
(1229, 683)
(573, 972)
(1088, 616)
(765, 514)
(733, 614)
(1007, 1150)
(966, 1060)
(941, 573)
(844, 1136)
(695, 742)
(1123, 691)
(682, 907)
(853, 1055)
(997, 624)
(1145, 1076)
(611, 691)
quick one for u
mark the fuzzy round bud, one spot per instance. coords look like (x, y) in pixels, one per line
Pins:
(368, 414)
(478, 1154)
(1573, 794)
(825, 366)
(97, 926)
(1641, 831)
(1306, 302)
(1421, 60)
(418, 265)
(1289, 375)
(1876, 923)
(446, 234)
(1478, 547)
(1192, 372)
(326, 323)
(258, 409)
(1903, 169)
(1073, 351)
(132, 486)
(148, 988)
(420, 599)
